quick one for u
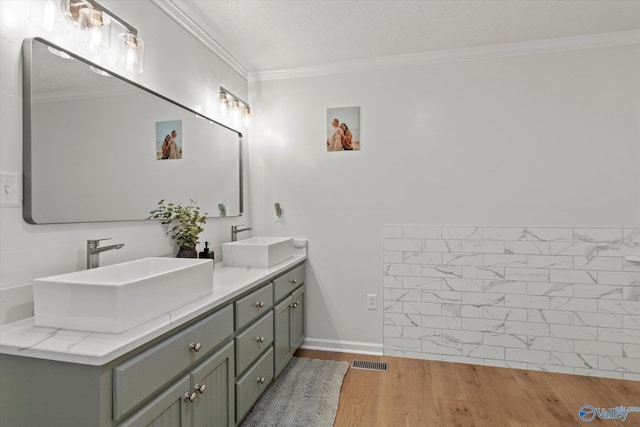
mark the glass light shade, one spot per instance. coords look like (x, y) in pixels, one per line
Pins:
(246, 116)
(46, 15)
(235, 109)
(70, 10)
(96, 31)
(223, 100)
(131, 52)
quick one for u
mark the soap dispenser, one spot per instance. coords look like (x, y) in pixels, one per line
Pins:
(207, 253)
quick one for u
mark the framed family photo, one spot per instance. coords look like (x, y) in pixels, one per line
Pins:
(169, 140)
(343, 129)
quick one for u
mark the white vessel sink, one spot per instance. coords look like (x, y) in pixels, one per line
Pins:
(257, 252)
(118, 297)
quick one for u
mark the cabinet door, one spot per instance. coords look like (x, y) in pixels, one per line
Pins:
(169, 409)
(281, 335)
(297, 319)
(215, 404)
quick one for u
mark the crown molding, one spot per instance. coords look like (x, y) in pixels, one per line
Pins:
(621, 38)
(190, 26)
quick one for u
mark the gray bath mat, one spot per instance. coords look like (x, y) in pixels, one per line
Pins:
(306, 394)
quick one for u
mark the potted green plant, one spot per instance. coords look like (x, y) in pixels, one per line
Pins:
(184, 225)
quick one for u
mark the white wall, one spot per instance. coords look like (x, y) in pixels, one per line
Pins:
(541, 140)
(177, 66)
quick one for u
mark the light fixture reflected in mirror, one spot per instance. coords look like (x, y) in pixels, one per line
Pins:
(59, 53)
(99, 72)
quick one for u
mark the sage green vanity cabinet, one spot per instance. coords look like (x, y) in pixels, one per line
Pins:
(252, 306)
(135, 380)
(253, 342)
(169, 409)
(297, 320)
(288, 328)
(254, 347)
(288, 316)
(253, 383)
(203, 398)
(206, 372)
(288, 282)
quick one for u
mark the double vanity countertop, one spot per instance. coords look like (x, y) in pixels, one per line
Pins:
(24, 338)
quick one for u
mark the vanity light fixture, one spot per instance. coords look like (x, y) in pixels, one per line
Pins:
(238, 106)
(93, 22)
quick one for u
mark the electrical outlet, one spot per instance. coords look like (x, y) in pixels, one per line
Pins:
(372, 301)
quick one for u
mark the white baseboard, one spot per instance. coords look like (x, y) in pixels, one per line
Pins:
(358, 347)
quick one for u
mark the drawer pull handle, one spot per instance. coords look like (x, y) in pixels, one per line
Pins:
(260, 380)
(200, 388)
(195, 347)
(190, 397)
(260, 304)
(259, 339)
(293, 281)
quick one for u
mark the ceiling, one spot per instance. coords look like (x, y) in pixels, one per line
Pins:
(265, 35)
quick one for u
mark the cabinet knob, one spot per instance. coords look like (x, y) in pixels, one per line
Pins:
(190, 397)
(293, 281)
(259, 339)
(295, 304)
(260, 304)
(260, 380)
(195, 347)
(200, 388)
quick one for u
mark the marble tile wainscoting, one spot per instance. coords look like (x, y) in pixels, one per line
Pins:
(555, 299)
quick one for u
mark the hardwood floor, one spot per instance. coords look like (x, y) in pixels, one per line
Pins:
(424, 393)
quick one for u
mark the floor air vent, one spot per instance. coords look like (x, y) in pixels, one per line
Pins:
(371, 366)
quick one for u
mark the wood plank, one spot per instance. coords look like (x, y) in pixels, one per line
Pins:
(431, 393)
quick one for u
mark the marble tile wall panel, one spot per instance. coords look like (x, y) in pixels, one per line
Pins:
(558, 299)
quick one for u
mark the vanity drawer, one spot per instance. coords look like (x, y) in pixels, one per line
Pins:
(253, 305)
(140, 377)
(253, 384)
(252, 342)
(289, 281)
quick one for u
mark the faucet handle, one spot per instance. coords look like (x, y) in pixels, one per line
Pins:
(95, 242)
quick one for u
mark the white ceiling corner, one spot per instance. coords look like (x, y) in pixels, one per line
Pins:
(271, 39)
(200, 34)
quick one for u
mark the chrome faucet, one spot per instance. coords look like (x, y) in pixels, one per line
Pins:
(94, 249)
(235, 230)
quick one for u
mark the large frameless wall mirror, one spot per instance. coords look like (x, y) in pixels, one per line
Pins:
(94, 146)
